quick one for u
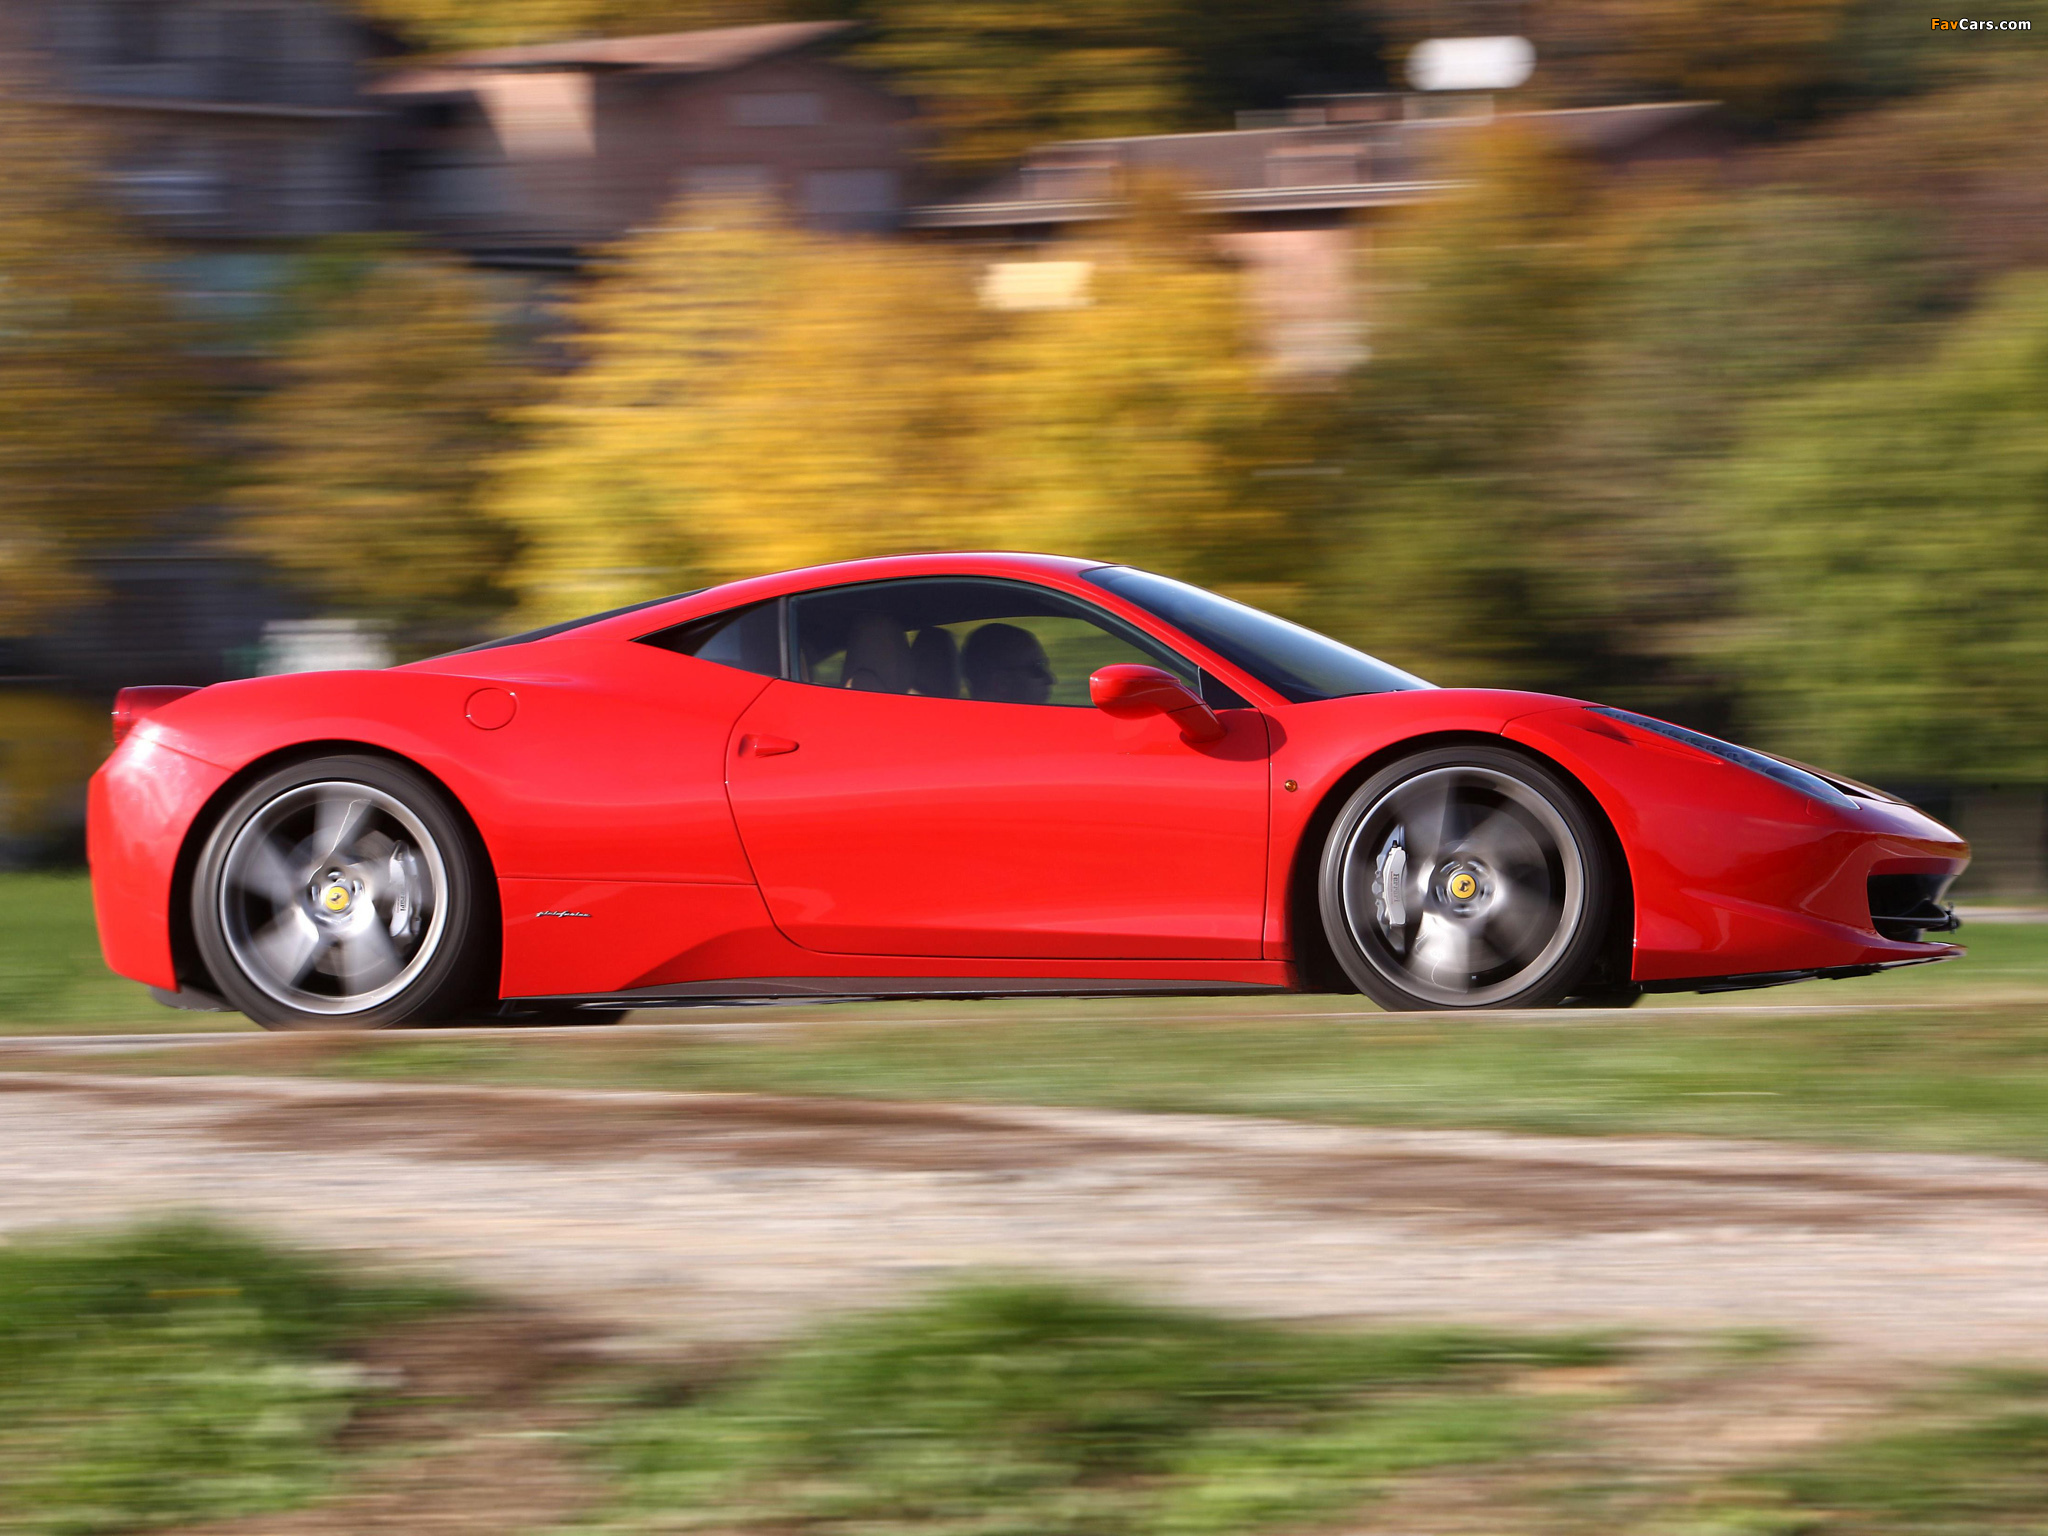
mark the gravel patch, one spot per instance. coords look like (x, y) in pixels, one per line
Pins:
(681, 1219)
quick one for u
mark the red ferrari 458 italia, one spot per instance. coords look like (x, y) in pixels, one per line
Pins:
(963, 775)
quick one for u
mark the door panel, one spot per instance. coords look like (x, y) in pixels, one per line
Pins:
(905, 825)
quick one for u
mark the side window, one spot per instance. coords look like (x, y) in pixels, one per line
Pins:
(1001, 642)
(747, 638)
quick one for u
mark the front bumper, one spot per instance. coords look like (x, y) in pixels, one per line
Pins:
(1737, 877)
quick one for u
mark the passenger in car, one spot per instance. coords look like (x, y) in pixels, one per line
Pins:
(1006, 665)
(877, 655)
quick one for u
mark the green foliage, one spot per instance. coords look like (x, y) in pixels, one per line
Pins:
(1720, 304)
(171, 1373)
(1039, 1409)
(395, 395)
(1555, 364)
(1461, 555)
(1891, 531)
(756, 398)
(51, 973)
(97, 398)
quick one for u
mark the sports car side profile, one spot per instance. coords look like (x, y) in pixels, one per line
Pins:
(963, 775)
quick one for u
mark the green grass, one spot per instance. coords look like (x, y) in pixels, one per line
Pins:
(1967, 1073)
(1038, 1410)
(51, 974)
(183, 1374)
(1964, 1080)
(173, 1373)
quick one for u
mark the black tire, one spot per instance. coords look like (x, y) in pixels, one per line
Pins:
(1511, 910)
(383, 926)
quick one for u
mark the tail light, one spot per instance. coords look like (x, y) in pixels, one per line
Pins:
(132, 706)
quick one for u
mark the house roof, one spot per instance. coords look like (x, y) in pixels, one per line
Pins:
(1309, 166)
(1606, 130)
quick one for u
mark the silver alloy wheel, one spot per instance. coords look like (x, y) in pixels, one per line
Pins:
(333, 898)
(1463, 885)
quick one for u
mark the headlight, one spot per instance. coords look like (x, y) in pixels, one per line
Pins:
(1742, 757)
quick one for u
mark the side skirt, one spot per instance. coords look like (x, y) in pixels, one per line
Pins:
(1783, 978)
(843, 989)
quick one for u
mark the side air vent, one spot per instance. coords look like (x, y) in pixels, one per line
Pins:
(1903, 907)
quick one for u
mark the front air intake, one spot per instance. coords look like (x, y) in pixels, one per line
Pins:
(1903, 907)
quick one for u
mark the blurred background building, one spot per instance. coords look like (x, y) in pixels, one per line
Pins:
(225, 124)
(1291, 193)
(532, 155)
(408, 320)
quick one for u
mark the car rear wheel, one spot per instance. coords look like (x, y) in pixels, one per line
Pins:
(341, 893)
(1465, 877)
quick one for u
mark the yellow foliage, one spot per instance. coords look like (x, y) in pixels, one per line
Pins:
(1142, 428)
(370, 454)
(756, 398)
(502, 23)
(49, 746)
(999, 76)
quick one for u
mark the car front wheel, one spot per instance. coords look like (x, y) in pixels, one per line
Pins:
(341, 893)
(1465, 877)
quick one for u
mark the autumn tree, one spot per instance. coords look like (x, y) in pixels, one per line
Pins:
(1890, 532)
(755, 397)
(1145, 424)
(599, 491)
(100, 427)
(1558, 366)
(998, 76)
(1457, 564)
(367, 458)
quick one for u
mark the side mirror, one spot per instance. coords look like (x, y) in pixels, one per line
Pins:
(1128, 690)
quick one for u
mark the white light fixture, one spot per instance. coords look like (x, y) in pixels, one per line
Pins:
(1471, 63)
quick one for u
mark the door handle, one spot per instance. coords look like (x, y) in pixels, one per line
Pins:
(765, 746)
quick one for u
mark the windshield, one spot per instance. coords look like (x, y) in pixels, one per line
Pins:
(1298, 664)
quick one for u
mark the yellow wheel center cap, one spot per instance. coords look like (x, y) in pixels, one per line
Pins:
(335, 898)
(1463, 886)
